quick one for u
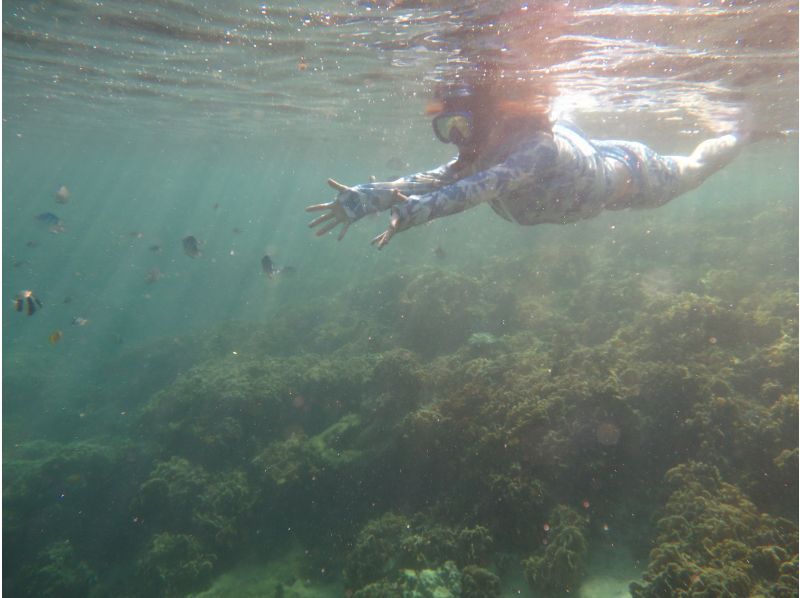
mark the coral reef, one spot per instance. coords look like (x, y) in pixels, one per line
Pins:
(174, 565)
(183, 497)
(411, 435)
(442, 582)
(58, 573)
(713, 541)
(390, 544)
(561, 565)
(477, 582)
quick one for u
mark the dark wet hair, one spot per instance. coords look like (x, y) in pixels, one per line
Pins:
(492, 100)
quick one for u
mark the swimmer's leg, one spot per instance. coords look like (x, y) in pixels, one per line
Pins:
(707, 158)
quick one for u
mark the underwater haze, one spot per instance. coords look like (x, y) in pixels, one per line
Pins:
(605, 408)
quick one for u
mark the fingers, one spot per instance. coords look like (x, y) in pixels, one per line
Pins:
(327, 228)
(382, 239)
(338, 186)
(321, 219)
(399, 196)
(320, 206)
(343, 231)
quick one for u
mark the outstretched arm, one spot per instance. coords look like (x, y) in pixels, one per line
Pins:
(353, 203)
(521, 168)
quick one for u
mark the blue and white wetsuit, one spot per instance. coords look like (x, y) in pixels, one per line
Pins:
(558, 178)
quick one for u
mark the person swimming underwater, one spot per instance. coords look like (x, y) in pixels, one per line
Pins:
(528, 169)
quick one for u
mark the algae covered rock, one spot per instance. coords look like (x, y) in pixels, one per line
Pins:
(393, 543)
(183, 497)
(58, 573)
(225, 410)
(175, 564)
(376, 552)
(477, 582)
(442, 582)
(300, 459)
(438, 310)
(712, 541)
(561, 565)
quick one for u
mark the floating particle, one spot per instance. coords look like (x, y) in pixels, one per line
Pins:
(62, 195)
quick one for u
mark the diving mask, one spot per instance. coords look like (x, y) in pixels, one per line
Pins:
(453, 127)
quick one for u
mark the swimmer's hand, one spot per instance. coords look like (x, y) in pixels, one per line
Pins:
(383, 239)
(336, 214)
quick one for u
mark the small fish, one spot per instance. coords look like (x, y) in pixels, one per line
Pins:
(155, 248)
(135, 234)
(439, 252)
(19, 263)
(27, 300)
(49, 219)
(237, 231)
(67, 300)
(191, 246)
(62, 195)
(267, 266)
(79, 321)
(215, 206)
(55, 336)
(32, 244)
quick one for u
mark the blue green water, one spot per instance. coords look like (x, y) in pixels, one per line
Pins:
(322, 390)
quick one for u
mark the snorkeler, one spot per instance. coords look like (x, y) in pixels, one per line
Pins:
(27, 300)
(529, 170)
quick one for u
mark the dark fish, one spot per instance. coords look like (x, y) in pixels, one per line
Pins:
(49, 219)
(267, 266)
(270, 269)
(32, 244)
(191, 246)
(155, 248)
(237, 231)
(439, 252)
(26, 300)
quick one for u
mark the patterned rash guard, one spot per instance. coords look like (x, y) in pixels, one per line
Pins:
(558, 178)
